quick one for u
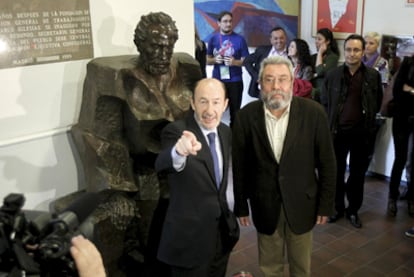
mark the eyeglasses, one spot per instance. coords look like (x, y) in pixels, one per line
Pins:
(350, 50)
(272, 81)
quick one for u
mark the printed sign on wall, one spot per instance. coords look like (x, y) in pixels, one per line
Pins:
(44, 31)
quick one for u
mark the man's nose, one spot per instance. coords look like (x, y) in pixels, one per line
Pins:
(276, 84)
(210, 108)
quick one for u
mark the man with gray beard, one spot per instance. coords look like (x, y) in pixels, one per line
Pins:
(284, 166)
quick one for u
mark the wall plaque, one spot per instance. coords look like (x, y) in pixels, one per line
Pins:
(44, 31)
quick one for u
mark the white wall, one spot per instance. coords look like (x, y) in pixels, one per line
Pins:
(39, 103)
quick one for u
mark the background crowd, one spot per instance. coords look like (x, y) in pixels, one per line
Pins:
(351, 94)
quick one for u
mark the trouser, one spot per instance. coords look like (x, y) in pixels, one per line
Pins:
(356, 142)
(402, 128)
(272, 251)
(216, 267)
(235, 96)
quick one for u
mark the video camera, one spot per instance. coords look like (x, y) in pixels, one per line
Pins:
(41, 247)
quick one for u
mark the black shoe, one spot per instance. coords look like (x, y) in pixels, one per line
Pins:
(392, 207)
(335, 217)
(354, 220)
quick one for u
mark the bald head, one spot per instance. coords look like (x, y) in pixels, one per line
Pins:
(209, 102)
(210, 82)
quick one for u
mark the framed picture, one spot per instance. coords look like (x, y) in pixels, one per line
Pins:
(409, 2)
(252, 19)
(342, 17)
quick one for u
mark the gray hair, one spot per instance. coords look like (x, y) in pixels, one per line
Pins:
(275, 61)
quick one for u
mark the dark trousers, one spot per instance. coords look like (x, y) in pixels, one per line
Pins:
(235, 95)
(356, 142)
(402, 128)
(216, 267)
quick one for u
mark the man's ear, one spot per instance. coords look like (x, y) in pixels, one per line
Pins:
(226, 102)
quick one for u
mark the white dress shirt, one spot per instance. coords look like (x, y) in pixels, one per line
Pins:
(274, 52)
(276, 130)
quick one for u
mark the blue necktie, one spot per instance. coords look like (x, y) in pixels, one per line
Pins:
(212, 141)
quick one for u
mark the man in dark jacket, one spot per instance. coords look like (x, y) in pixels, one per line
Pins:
(277, 47)
(284, 164)
(352, 95)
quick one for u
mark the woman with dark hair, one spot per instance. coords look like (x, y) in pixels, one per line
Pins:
(299, 54)
(325, 59)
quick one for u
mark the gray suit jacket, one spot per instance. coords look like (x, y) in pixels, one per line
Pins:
(196, 205)
(304, 180)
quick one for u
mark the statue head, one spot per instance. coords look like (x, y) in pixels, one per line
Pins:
(155, 37)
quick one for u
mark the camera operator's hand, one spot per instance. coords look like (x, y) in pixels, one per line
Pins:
(87, 258)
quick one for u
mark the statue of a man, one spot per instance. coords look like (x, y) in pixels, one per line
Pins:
(127, 100)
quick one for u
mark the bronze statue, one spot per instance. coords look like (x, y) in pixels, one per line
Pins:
(127, 100)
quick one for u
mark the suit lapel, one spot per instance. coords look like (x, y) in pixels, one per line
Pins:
(267, 53)
(260, 126)
(293, 127)
(225, 149)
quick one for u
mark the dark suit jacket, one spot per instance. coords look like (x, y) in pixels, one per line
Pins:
(304, 180)
(196, 205)
(252, 65)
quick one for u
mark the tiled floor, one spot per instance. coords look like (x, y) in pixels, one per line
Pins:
(379, 248)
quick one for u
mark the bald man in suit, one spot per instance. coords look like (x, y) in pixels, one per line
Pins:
(195, 239)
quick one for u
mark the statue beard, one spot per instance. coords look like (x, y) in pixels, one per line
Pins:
(276, 103)
(158, 69)
(153, 66)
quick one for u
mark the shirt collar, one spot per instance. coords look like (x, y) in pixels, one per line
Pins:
(269, 115)
(282, 53)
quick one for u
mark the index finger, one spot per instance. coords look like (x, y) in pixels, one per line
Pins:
(188, 134)
(195, 144)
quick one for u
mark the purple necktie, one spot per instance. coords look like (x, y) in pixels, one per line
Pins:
(212, 141)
